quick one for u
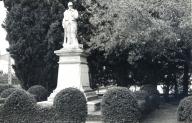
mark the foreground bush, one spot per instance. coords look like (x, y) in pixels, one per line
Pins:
(4, 87)
(19, 101)
(184, 109)
(18, 108)
(189, 119)
(70, 104)
(38, 114)
(21, 107)
(39, 92)
(8, 92)
(44, 114)
(119, 105)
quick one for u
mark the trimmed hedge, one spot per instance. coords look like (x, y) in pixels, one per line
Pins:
(20, 107)
(39, 92)
(189, 118)
(1, 114)
(119, 105)
(4, 87)
(184, 109)
(8, 92)
(43, 115)
(37, 114)
(71, 105)
(19, 102)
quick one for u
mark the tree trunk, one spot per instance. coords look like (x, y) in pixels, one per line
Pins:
(186, 76)
(176, 87)
(166, 95)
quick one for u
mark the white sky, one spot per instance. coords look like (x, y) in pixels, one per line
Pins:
(3, 43)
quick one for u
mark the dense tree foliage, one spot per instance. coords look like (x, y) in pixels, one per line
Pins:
(141, 41)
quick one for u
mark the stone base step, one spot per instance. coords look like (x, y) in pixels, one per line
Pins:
(92, 97)
(90, 93)
(93, 101)
(94, 105)
(45, 104)
(94, 117)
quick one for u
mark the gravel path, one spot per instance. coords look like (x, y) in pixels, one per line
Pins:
(165, 114)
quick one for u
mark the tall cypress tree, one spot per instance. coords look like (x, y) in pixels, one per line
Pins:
(30, 26)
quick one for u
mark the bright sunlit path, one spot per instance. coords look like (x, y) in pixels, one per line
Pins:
(3, 43)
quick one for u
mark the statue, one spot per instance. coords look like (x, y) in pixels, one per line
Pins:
(70, 27)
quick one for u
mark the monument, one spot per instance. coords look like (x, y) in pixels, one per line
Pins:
(70, 27)
(73, 69)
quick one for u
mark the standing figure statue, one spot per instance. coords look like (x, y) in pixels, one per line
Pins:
(70, 27)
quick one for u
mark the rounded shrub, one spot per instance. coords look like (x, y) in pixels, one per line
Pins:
(8, 92)
(4, 87)
(184, 109)
(19, 101)
(119, 105)
(43, 114)
(189, 119)
(71, 105)
(39, 92)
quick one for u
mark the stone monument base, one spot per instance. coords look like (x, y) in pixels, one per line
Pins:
(74, 72)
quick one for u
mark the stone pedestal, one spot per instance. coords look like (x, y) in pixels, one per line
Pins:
(73, 70)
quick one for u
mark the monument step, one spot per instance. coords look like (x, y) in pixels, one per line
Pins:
(45, 103)
(95, 117)
(92, 97)
(90, 93)
(92, 115)
(94, 105)
(88, 89)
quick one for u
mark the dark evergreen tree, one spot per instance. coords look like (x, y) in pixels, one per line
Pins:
(30, 26)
